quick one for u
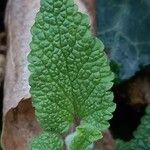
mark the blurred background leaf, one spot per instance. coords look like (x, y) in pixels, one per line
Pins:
(123, 26)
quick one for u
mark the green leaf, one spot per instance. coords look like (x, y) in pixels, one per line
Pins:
(84, 136)
(46, 141)
(121, 145)
(124, 27)
(70, 74)
(142, 135)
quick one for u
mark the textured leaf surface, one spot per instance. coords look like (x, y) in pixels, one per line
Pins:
(123, 26)
(141, 136)
(46, 141)
(70, 74)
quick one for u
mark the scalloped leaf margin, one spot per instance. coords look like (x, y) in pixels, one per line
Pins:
(70, 77)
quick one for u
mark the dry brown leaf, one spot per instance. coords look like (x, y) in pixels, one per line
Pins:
(19, 122)
(20, 126)
(139, 88)
(19, 18)
(17, 126)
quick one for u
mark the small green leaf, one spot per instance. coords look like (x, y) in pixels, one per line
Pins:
(70, 74)
(84, 136)
(46, 141)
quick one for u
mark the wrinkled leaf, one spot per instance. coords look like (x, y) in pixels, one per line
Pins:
(46, 141)
(70, 74)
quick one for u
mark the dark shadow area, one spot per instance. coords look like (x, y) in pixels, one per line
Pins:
(125, 121)
(131, 102)
(2, 12)
(2, 30)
